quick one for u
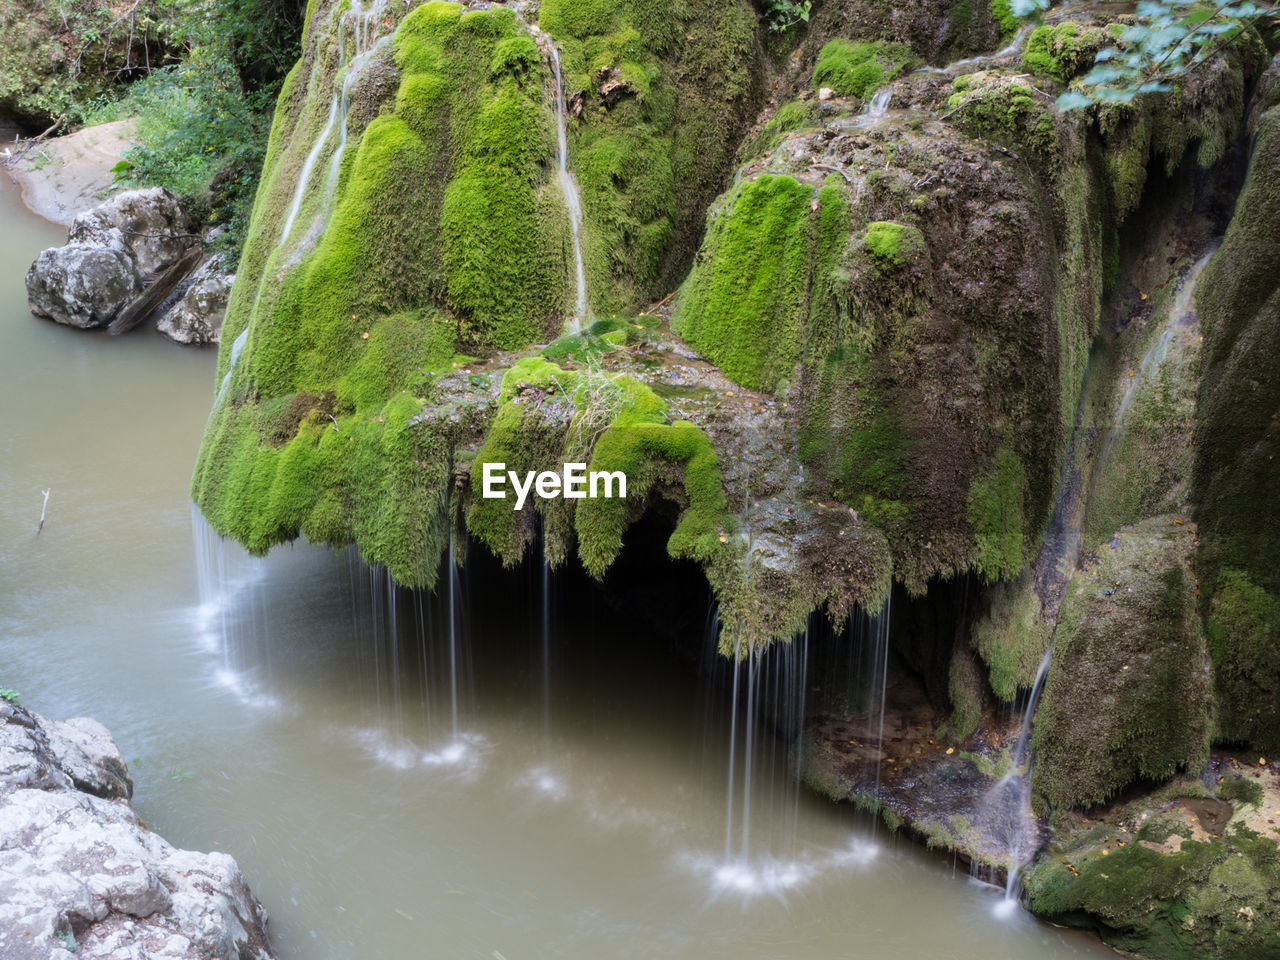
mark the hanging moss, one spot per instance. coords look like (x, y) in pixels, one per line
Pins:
(443, 229)
(996, 510)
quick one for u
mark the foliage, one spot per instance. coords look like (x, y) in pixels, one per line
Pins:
(202, 124)
(1168, 38)
(781, 15)
(9, 694)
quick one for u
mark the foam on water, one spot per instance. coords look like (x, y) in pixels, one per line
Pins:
(773, 876)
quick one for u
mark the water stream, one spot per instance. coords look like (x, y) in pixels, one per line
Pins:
(364, 27)
(572, 198)
(376, 759)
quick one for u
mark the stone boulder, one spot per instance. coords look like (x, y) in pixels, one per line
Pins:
(84, 284)
(197, 316)
(151, 220)
(79, 871)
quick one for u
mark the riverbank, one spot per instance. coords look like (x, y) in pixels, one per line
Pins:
(65, 176)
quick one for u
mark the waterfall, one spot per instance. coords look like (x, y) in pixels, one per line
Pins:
(237, 346)
(1016, 784)
(365, 25)
(572, 199)
(1181, 314)
(453, 634)
(878, 105)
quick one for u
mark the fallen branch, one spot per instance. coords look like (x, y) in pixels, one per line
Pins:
(14, 157)
(43, 508)
(659, 305)
(155, 294)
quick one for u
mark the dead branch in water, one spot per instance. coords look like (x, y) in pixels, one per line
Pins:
(43, 508)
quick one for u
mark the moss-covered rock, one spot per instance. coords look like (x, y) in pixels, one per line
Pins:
(1128, 696)
(857, 69)
(1238, 433)
(856, 294)
(1064, 50)
(1177, 875)
(660, 93)
(437, 225)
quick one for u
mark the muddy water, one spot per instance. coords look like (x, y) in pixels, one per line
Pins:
(368, 830)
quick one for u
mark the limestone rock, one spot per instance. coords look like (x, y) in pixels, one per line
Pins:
(151, 220)
(84, 284)
(81, 869)
(197, 317)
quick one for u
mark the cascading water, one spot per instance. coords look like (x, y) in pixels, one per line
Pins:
(237, 346)
(878, 105)
(364, 22)
(1181, 316)
(1006, 808)
(572, 199)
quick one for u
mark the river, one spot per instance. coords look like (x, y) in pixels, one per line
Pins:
(594, 830)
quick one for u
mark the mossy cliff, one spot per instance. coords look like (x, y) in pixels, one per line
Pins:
(409, 220)
(954, 345)
(1236, 480)
(659, 92)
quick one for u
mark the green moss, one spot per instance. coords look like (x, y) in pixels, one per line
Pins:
(893, 244)
(857, 68)
(549, 416)
(443, 230)
(1013, 636)
(1209, 898)
(1242, 791)
(993, 106)
(1005, 18)
(792, 115)
(665, 88)
(1127, 696)
(996, 512)
(1063, 50)
(964, 688)
(1237, 438)
(1243, 626)
(746, 302)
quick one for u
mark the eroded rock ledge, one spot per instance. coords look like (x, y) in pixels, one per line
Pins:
(80, 871)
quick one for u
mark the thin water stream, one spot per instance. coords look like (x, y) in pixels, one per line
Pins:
(281, 716)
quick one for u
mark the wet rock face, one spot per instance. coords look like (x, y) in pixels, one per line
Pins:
(1128, 696)
(79, 871)
(1235, 481)
(84, 284)
(197, 317)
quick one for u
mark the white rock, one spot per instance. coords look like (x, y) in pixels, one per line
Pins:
(197, 317)
(87, 868)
